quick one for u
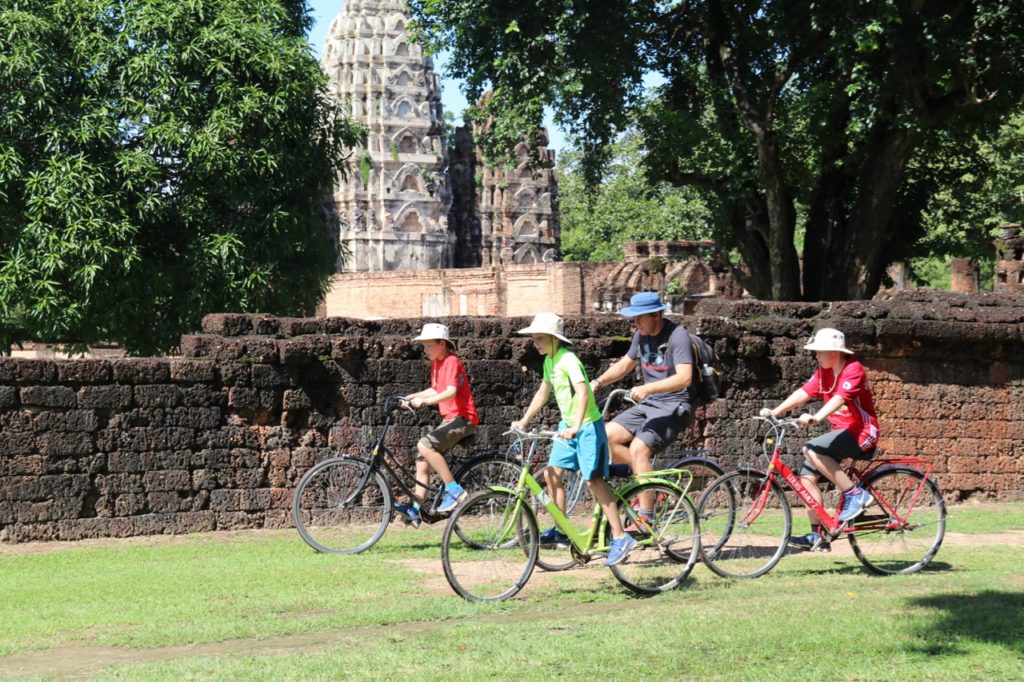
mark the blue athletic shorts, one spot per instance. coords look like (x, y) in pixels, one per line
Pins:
(587, 452)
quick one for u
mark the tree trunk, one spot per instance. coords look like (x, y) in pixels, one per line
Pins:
(880, 179)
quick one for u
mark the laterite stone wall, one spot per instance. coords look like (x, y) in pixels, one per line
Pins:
(217, 438)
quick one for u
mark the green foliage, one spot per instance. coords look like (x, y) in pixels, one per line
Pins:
(795, 117)
(365, 166)
(624, 206)
(160, 160)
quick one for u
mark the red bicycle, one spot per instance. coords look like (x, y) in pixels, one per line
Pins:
(746, 522)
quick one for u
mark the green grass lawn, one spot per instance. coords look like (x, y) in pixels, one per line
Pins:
(261, 605)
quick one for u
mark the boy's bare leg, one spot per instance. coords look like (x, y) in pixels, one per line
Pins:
(618, 443)
(554, 478)
(431, 460)
(606, 498)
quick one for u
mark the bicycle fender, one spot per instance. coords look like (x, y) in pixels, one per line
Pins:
(900, 467)
(694, 459)
(501, 489)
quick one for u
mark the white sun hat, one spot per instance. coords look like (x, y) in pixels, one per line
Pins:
(546, 323)
(432, 331)
(829, 339)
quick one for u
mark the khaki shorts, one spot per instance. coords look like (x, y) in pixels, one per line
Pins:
(451, 431)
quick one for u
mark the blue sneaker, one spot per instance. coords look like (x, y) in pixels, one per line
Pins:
(553, 538)
(409, 514)
(811, 542)
(855, 502)
(451, 499)
(619, 548)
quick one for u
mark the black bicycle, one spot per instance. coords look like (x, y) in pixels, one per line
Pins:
(344, 504)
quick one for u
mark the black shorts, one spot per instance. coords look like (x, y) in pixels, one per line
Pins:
(838, 445)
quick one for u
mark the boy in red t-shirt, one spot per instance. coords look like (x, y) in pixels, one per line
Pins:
(841, 383)
(449, 390)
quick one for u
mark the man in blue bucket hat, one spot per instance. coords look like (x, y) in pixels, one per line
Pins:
(662, 350)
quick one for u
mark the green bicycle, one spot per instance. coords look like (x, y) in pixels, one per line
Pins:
(491, 543)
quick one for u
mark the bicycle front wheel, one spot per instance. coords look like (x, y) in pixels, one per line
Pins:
(902, 528)
(338, 509)
(745, 523)
(668, 546)
(501, 552)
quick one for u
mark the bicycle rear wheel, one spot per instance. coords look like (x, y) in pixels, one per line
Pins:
(502, 551)
(903, 527)
(335, 512)
(490, 469)
(745, 524)
(668, 549)
(704, 472)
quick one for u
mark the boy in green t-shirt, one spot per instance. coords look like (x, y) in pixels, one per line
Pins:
(582, 441)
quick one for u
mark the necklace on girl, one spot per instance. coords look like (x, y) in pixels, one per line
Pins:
(835, 379)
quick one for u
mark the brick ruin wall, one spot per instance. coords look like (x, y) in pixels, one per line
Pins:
(218, 438)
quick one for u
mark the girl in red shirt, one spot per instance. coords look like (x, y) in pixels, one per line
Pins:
(841, 383)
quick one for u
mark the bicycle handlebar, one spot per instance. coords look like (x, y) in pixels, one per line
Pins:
(777, 421)
(394, 402)
(614, 394)
(532, 435)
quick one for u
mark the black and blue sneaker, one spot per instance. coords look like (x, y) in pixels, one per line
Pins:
(409, 514)
(553, 538)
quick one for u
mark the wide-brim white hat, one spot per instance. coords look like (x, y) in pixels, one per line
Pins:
(433, 331)
(547, 323)
(829, 339)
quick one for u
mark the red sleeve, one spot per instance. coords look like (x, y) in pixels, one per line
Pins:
(851, 381)
(448, 374)
(813, 385)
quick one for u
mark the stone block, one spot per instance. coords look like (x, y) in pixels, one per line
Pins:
(141, 370)
(302, 350)
(71, 420)
(227, 324)
(48, 396)
(157, 395)
(165, 502)
(8, 397)
(34, 372)
(64, 444)
(83, 371)
(105, 397)
(155, 481)
(300, 326)
(188, 371)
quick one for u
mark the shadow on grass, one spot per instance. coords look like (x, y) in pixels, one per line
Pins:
(846, 568)
(993, 617)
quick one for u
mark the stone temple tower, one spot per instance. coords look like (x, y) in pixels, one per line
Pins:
(393, 209)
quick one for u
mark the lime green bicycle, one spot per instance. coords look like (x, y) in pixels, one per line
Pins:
(491, 543)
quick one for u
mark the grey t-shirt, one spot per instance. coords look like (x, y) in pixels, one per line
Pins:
(658, 357)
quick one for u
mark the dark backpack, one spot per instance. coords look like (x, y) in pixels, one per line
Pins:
(706, 383)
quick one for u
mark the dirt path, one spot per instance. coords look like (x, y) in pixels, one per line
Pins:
(80, 662)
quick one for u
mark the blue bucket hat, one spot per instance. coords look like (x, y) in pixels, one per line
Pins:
(643, 303)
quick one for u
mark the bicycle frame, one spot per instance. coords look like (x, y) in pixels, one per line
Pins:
(889, 521)
(592, 538)
(379, 461)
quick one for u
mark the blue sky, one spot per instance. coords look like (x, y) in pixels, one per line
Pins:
(324, 11)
